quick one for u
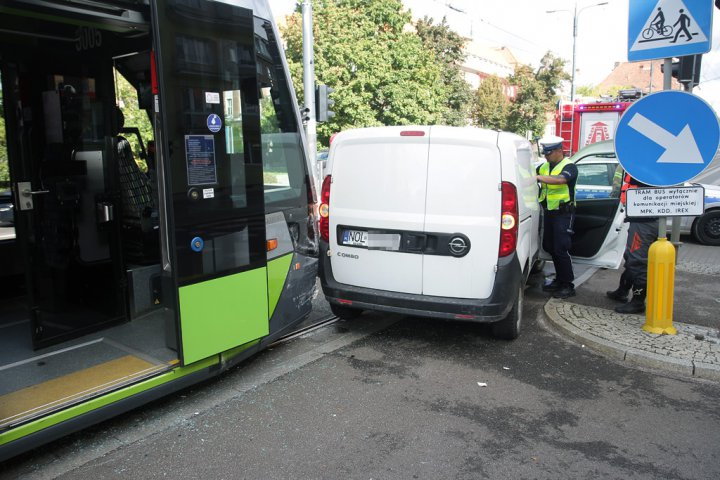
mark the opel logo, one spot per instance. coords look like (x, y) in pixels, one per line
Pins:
(459, 246)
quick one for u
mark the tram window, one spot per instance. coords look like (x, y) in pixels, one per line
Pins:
(128, 99)
(283, 161)
(4, 169)
(233, 121)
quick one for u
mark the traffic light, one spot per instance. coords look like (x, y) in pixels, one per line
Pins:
(686, 70)
(305, 114)
(323, 102)
(689, 73)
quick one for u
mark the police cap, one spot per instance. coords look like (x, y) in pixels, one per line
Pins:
(550, 143)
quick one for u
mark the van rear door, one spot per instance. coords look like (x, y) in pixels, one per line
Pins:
(463, 201)
(379, 179)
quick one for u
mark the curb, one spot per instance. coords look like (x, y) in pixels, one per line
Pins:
(629, 355)
(708, 371)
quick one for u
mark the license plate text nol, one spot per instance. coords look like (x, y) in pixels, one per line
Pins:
(357, 238)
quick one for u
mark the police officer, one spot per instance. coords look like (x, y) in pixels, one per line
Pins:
(642, 232)
(557, 178)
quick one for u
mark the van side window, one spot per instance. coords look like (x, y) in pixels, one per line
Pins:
(282, 153)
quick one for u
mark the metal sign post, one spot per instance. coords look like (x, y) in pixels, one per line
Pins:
(665, 139)
(309, 87)
(665, 29)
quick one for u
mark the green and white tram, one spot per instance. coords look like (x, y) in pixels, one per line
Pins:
(121, 285)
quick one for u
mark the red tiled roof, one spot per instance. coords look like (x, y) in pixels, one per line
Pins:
(636, 75)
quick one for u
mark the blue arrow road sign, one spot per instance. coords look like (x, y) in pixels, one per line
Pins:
(667, 138)
(668, 28)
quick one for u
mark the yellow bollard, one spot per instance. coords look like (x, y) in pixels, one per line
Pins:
(660, 288)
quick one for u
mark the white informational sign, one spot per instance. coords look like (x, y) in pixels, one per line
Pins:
(212, 97)
(208, 193)
(666, 202)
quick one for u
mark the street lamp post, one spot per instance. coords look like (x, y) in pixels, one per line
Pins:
(576, 12)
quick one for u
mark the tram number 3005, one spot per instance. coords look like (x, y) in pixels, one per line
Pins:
(87, 38)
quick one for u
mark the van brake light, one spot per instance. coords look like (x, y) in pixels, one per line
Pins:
(509, 219)
(412, 133)
(324, 209)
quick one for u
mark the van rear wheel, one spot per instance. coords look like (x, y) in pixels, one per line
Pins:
(509, 327)
(345, 312)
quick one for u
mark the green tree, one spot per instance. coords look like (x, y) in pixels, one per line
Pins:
(551, 74)
(615, 89)
(536, 96)
(490, 105)
(587, 91)
(381, 73)
(448, 48)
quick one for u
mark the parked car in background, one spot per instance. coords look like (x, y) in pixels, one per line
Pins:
(10, 261)
(597, 167)
(7, 213)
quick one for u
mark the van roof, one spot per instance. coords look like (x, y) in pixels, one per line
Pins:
(481, 134)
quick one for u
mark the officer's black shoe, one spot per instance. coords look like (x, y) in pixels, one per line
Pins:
(565, 291)
(619, 295)
(636, 305)
(553, 286)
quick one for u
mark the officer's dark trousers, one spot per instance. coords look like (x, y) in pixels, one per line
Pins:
(557, 242)
(640, 236)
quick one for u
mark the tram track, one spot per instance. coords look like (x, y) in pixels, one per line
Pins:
(329, 320)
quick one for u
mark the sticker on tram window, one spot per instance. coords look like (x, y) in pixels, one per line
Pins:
(208, 193)
(214, 123)
(212, 97)
(200, 159)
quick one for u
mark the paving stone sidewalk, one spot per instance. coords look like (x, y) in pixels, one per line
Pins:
(694, 351)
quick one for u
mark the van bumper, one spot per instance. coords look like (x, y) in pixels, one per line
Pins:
(496, 307)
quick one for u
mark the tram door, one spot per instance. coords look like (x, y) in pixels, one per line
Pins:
(210, 154)
(61, 155)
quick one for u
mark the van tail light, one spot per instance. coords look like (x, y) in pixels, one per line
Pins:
(509, 219)
(324, 209)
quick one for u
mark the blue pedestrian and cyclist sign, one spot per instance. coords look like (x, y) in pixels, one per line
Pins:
(667, 138)
(668, 28)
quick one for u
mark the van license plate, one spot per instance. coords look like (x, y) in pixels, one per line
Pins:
(355, 238)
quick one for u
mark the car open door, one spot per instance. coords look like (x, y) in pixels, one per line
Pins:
(600, 230)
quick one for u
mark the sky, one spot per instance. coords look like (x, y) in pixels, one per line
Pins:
(529, 31)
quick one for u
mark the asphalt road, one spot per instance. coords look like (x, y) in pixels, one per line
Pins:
(391, 397)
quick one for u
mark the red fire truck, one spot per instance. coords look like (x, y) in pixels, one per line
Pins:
(581, 124)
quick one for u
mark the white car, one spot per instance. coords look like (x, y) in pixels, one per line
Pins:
(597, 179)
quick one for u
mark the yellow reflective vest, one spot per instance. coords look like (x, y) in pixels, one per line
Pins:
(556, 195)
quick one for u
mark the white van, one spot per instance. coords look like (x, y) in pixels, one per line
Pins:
(435, 221)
